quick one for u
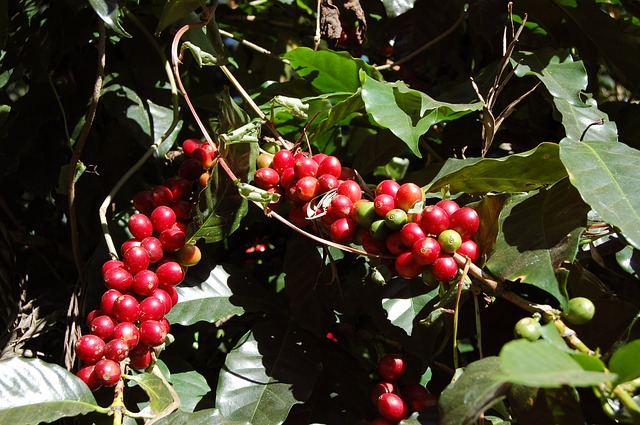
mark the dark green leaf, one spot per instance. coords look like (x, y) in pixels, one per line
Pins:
(629, 259)
(406, 112)
(625, 362)
(161, 121)
(481, 385)
(404, 300)
(540, 231)
(272, 368)
(540, 364)
(535, 406)
(130, 109)
(107, 10)
(190, 387)
(396, 8)
(373, 149)
(339, 112)
(32, 392)
(330, 71)
(566, 81)
(606, 174)
(520, 172)
(202, 417)
(175, 10)
(158, 393)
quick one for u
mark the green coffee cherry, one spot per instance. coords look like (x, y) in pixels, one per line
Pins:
(580, 311)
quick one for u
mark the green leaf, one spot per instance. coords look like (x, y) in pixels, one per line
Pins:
(408, 113)
(629, 260)
(403, 301)
(4, 113)
(330, 71)
(535, 406)
(205, 45)
(130, 110)
(519, 172)
(273, 367)
(566, 81)
(175, 10)
(190, 387)
(220, 207)
(339, 112)
(161, 121)
(374, 149)
(202, 417)
(158, 393)
(540, 231)
(395, 8)
(204, 298)
(481, 385)
(107, 10)
(32, 392)
(625, 362)
(606, 174)
(539, 364)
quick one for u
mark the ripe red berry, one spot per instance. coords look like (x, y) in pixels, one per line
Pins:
(126, 308)
(444, 268)
(152, 333)
(92, 315)
(394, 243)
(347, 173)
(426, 251)
(327, 182)
(465, 221)
(189, 145)
(170, 274)
(418, 397)
(448, 206)
(407, 266)
(141, 362)
(351, 189)
(182, 209)
(305, 167)
(140, 226)
(341, 206)
(391, 367)
(330, 165)
(102, 327)
(143, 202)
(163, 218)
(411, 233)
(319, 157)
(306, 189)
(116, 350)
(145, 282)
(136, 259)
(282, 160)
(161, 195)
(108, 372)
(128, 332)
(190, 170)
(204, 157)
(118, 279)
(111, 264)
(470, 249)
(181, 188)
(407, 195)
(373, 245)
(88, 376)
(151, 308)
(342, 230)
(153, 247)
(108, 298)
(382, 387)
(129, 243)
(266, 178)
(392, 407)
(164, 297)
(434, 220)
(288, 178)
(383, 203)
(172, 239)
(387, 187)
(90, 348)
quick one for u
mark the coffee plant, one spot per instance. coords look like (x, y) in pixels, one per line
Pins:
(298, 212)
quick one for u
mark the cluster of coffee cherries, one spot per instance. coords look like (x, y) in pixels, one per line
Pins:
(393, 401)
(130, 323)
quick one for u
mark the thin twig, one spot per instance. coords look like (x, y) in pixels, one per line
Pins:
(456, 313)
(253, 46)
(317, 36)
(425, 46)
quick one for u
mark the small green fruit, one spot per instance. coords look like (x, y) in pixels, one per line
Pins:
(580, 311)
(395, 219)
(528, 328)
(449, 241)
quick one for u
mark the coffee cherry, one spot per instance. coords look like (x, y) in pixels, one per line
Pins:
(407, 266)
(282, 160)
(265, 160)
(118, 279)
(103, 326)
(350, 189)
(152, 333)
(266, 178)
(448, 206)
(141, 362)
(161, 195)
(411, 233)
(407, 195)
(581, 310)
(465, 221)
(341, 206)
(330, 165)
(380, 388)
(163, 218)
(151, 308)
(88, 376)
(449, 241)
(90, 348)
(394, 244)
(129, 243)
(417, 397)
(128, 332)
(92, 315)
(108, 372)
(426, 251)
(307, 188)
(116, 350)
(342, 230)
(365, 214)
(470, 249)
(182, 189)
(444, 268)
(190, 170)
(136, 259)
(305, 167)
(164, 298)
(288, 178)
(143, 202)
(298, 216)
(528, 328)
(392, 407)
(189, 255)
(126, 308)
(204, 157)
(153, 247)
(387, 187)
(327, 182)
(182, 209)
(372, 245)
(395, 219)
(172, 239)
(107, 301)
(189, 145)
(434, 220)
(379, 229)
(140, 226)
(145, 282)
(170, 274)
(391, 367)
(111, 264)
(383, 204)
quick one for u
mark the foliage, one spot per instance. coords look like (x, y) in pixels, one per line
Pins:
(292, 332)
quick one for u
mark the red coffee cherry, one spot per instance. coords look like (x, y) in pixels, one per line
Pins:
(465, 221)
(116, 350)
(342, 230)
(182, 209)
(394, 243)
(152, 333)
(392, 407)
(387, 187)
(407, 266)
(111, 264)
(172, 239)
(382, 204)
(153, 247)
(470, 249)
(136, 259)
(143, 202)
(170, 274)
(391, 367)
(189, 145)
(266, 178)
(426, 251)
(305, 167)
(373, 245)
(350, 189)
(88, 376)
(190, 170)
(90, 348)
(151, 308)
(282, 160)
(327, 182)
(434, 220)
(164, 298)
(108, 298)
(140, 226)
(407, 195)
(444, 268)
(418, 397)
(103, 326)
(306, 188)
(204, 157)
(128, 332)
(163, 218)
(330, 165)
(411, 233)
(118, 279)
(380, 388)
(108, 372)
(126, 308)
(448, 206)
(341, 206)
(161, 195)
(181, 188)
(141, 362)
(145, 282)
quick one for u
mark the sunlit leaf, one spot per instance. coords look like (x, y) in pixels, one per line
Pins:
(606, 174)
(161, 121)
(539, 364)
(201, 417)
(107, 10)
(553, 218)
(403, 301)
(406, 112)
(520, 172)
(32, 392)
(396, 8)
(625, 363)
(158, 393)
(190, 387)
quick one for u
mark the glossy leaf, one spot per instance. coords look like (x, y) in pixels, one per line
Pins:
(132, 111)
(330, 71)
(625, 363)
(175, 10)
(190, 387)
(32, 392)
(161, 120)
(554, 219)
(406, 112)
(629, 259)
(566, 81)
(107, 10)
(481, 385)
(403, 301)
(338, 112)
(273, 367)
(489, 209)
(158, 393)
(395, 8)
(606, 174)
(373, 150)
(520, 172)
(202, 417)
(539, 364)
